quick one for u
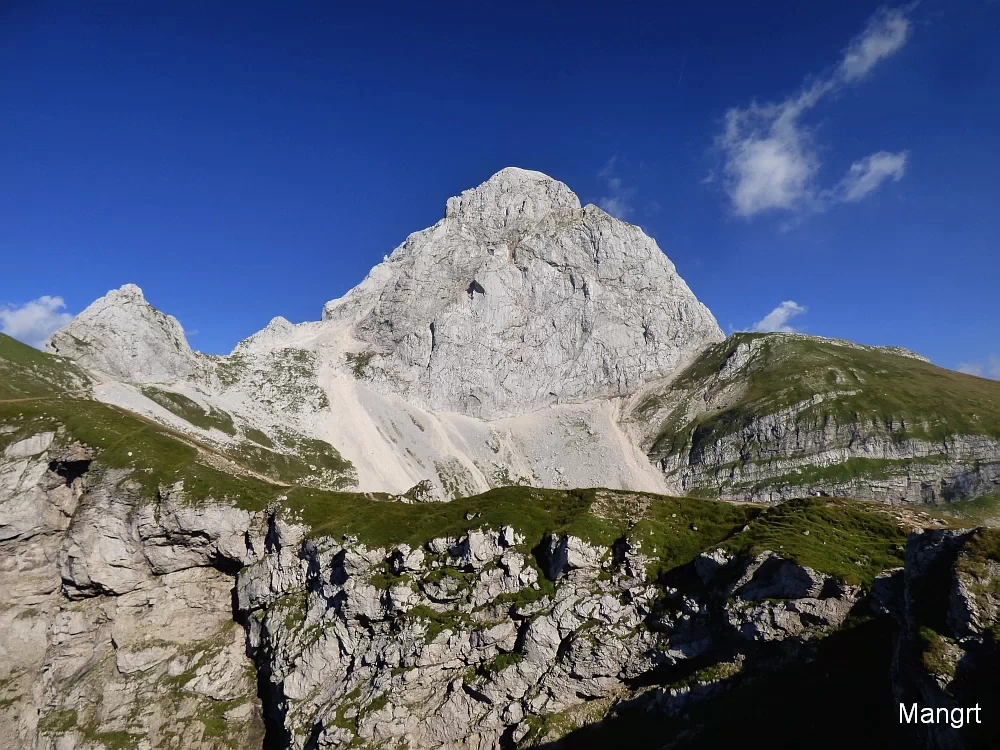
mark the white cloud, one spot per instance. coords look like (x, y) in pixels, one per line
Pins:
(865, 175)
(886, 32)
(34, 321)
(771, 160)
(988, 369)
(618, 202)
(777, 320)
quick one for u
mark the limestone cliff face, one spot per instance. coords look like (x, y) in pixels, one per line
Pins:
(770, 418)
(947, 604)
(116, 627)
(520, 298)
(123, 336)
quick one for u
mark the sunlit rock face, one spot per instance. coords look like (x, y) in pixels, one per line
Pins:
(124, 336)
(519, 298)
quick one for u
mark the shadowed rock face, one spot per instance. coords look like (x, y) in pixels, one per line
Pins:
(520, 298)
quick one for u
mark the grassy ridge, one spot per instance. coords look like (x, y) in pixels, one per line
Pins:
(851, 540)
(26, 372)
(191, 411)
(871, 386)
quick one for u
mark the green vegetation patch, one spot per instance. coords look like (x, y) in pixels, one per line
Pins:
(358, 362)
(851, 469)
(26, 372)
(877, 387)
(938, 653)
(979, 510)
(438, 622)
(307, 458)
(230, 370)
(59, 721)
(258, 437)
(155, 454)
(117, 740)
(191, 411)
(847, 539)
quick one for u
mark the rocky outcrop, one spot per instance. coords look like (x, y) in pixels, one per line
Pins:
(125, 337)
(130, 620)
(520, 298)
(473, 642)
(946, 601)
(117, 628)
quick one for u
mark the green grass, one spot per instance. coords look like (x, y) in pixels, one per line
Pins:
(214, 720)
(850, 470)
(438, 622)
(296, 467)
(500, 662)
(932, 403)
(154, 453)
(190, 411)
(847, 539)
(980, 510)
(26, 372)
(115, 740)
(258, 437)
(358, 362)
(57, 722)
(935, 654)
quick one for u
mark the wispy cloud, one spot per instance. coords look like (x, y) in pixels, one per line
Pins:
(618, 201)
(34, 321)
(770, 157)
(886, 32)
(865, 175)
(988, 369)
(777, 320)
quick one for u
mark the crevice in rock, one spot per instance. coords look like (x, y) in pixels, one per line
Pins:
(272, 540)
(70, 470)
(226, 565)
(313, 742)
(273, 703)
(475, 288)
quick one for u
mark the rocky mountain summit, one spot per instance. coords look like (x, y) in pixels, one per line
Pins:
(124, 337)
(519, 298)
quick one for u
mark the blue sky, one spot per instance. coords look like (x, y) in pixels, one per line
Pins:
(826, 166)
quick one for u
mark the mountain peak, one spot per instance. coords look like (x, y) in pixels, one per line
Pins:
(122, 335)
(518, 299)
(128, 291)
(512, 199)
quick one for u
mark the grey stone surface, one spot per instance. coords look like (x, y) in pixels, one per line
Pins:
(520, 298)
(125, 337)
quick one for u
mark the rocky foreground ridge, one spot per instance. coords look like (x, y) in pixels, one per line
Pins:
(516, 619)
(525, 339)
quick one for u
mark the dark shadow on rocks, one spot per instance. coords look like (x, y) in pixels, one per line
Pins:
(840, 699)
